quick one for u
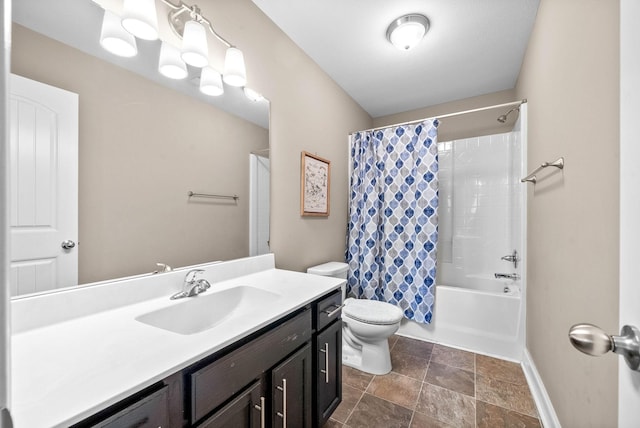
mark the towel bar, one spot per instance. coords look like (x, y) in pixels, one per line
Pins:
(531, 178)
(211, 195)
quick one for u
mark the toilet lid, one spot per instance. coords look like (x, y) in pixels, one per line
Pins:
(371, 311)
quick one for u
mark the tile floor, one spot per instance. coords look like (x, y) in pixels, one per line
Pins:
(434, 386)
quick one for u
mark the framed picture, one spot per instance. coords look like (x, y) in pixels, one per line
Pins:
(315, 185)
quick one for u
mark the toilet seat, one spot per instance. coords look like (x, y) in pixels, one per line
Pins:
(371, 311)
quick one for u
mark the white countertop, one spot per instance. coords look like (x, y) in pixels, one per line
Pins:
(64, 372)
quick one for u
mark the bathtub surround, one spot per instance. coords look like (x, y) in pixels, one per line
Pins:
(393, 221)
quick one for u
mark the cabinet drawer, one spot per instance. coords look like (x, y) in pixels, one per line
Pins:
(212, 385)
(327, 310)
(149, 412)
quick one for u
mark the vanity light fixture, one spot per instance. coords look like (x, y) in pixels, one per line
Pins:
(235, 73)
(188, 23)
(211, 82)
(139, 19)
(407, 31)
(195, 50)
(114, 38)
(170, 63)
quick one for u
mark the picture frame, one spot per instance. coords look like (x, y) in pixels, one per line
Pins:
(315, 185)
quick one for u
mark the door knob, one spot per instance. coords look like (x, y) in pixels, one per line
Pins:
(592, 340)
(68, 244)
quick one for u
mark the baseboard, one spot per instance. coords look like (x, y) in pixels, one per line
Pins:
(546, 412)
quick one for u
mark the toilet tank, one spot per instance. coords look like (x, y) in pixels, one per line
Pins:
(333, 269)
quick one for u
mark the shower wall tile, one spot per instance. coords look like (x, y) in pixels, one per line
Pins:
(479, 190)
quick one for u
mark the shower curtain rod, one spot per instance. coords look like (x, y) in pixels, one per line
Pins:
(443, 116)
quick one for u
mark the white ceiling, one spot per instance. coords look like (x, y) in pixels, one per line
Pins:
(473, 47)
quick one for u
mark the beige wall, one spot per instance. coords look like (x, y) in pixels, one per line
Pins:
(570, 76)
(141, 148)
(464, 126)
(310, 112)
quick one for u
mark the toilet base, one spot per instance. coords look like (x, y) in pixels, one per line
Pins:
(373, 357)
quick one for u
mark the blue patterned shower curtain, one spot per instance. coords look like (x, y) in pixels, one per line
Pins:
(393, 221)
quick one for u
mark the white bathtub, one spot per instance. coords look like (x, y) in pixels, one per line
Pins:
(485, 319)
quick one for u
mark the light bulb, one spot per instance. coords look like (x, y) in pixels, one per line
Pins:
(114, 38)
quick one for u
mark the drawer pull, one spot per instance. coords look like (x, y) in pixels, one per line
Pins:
(283, 415)
(334, 311)
(142, 422)
(261, 408)
(326, 362)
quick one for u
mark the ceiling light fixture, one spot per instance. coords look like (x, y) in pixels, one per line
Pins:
(407, 31)
(139, 19)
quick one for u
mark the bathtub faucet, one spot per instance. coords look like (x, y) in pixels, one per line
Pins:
(513, 276)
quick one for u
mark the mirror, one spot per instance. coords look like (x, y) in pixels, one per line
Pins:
(144, 142)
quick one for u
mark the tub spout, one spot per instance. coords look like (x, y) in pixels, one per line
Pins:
(512, 276)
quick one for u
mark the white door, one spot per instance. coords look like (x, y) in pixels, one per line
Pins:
(629, 381)
(259, 211)
(43, 156)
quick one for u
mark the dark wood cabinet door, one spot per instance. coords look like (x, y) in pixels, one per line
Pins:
(291, 391)
(328, 372)
(245, 411)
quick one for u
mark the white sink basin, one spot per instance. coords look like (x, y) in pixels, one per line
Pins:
(199, 313)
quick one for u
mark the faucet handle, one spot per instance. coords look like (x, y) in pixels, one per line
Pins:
(163, 267)
(512, 258)
(191, 275)
(203, 285)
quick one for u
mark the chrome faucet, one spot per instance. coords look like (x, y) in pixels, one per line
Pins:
(513, 276)
(192, 286)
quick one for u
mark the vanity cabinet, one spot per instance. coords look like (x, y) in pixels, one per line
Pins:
(287, 374)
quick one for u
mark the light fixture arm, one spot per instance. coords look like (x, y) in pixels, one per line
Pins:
(177, 19)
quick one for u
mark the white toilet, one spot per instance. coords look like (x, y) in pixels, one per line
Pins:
(366, 326)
